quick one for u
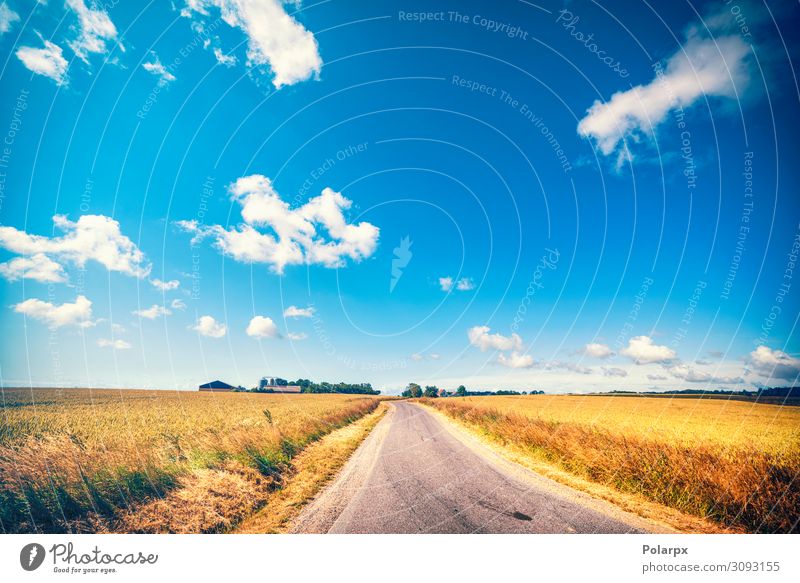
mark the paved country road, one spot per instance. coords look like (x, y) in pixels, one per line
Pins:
(418, 473)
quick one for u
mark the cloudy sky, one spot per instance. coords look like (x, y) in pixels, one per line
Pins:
(559, 196)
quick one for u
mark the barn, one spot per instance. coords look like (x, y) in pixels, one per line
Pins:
(217, 386)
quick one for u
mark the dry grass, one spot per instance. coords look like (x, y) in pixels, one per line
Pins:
(735, 463)
(152, 461)
(311, 470)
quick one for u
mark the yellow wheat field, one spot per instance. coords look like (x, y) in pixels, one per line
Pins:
(105, 460)
(734, 462)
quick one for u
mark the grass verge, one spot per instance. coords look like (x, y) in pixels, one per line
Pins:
(737, 488)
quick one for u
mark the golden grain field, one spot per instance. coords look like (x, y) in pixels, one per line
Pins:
(734, 462)
(80, 460)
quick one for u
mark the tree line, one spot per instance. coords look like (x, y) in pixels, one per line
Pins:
(415, 391)
(308, 386)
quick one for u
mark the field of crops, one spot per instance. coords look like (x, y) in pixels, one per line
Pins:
(734, 462)
(77, 460)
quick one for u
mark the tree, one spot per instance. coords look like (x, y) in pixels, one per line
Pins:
(413, 390)
(431, 391)
(461, 391)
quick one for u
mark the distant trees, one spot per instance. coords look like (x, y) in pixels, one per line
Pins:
(431, 391)
(413, 391)
(307, 386)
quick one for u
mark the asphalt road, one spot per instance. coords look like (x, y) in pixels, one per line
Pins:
(416, 473)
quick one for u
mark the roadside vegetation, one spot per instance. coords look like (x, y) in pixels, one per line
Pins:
(80, 460)
(732, 462)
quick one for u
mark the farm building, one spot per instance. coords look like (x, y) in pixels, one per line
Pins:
(277, 385)
(217, 386)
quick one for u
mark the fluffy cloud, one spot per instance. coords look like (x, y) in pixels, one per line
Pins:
(657, 377)
(775, 364)
(78, 313)
(295, 312)
(208, 326)
(38, 267)
(94, 29)
(692, 375)
(7, 18)
(262, 327)
(596, 350)
(165, 285)
(178, 304)
(48, 61)
(116, 344)
(480, 337)
(641, 350)
(317, 233)
(463, 284)
(92, 238)
(156, 68)
(702, 67)
(515, 360)
(297, 336)
(275, 39)
(223, 59)
(610, 371)
(152, 312)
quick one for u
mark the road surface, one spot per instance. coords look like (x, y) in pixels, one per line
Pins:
(418, 473)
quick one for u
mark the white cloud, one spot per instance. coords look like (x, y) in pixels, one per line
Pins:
(94, 29)
(434, 356)
(416, 357)
(115, 344)
(295, 312)
(178, 304)
(775, 364)
(156, 68)
(48, 61)
(78, 313)
(316, 233)
(208, 326)
(657, 377)
(702, 67)
(692, 375)
(641, 350)
(465, 284)
(275, 39)
(515, 360)
(597, 350)
(479, 336)
(610, 371)
(223, 59)
(91, 238)
(7, 18)
(38, 267)
(262, 327)
(165, 285)
(152, 312)
(297, 335)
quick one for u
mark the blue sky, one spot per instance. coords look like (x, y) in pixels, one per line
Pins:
(505, 195)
